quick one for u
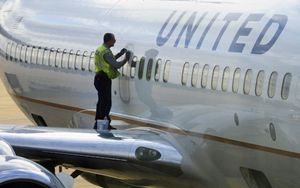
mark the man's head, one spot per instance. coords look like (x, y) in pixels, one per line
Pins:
(109, 39)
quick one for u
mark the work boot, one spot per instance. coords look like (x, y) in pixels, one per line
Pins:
(111, 128)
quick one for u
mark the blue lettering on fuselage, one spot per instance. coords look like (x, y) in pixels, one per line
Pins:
(228, 18)
(244, 31)
(192, 24)
(281, 21)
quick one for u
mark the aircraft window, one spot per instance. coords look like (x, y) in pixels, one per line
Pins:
(28, 54)
(85, 61)
(272, 84)
(141, 68)
(195, 74)
(236, 80)
(91, 62)
(18, 52)
(133, 66)
(40, 55)
(58, 57)
(185, 73)
(157, 70)
(23, 53)
(259, 83)
(247, 82)
(149, 69)
(225, 79)
(7, 49)
(71, 60)
(65, 57)
(77, 60)
(286, 86)
(52, 57)
(34, 54)
(204, 77)
(46, 54)
(12, 51)
(215, 77)
(167, 71)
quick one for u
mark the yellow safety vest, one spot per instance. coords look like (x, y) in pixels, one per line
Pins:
(102, 65)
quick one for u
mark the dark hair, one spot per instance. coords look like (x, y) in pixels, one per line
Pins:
(107, 37)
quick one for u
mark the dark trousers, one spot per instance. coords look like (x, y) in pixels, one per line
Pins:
(103, 85)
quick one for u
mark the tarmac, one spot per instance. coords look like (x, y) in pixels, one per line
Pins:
(11, 114)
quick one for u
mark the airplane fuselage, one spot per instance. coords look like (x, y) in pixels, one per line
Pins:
(221, 77)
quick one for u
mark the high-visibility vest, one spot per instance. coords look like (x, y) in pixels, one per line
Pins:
(102, 65)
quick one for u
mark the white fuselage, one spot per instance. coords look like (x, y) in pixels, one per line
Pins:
(237, 100)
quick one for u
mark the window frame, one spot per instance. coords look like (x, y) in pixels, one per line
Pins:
(92, 57)
(8, 46)
(204, 79)
(248, 74)
(17, 55)
(52, 54)
(84, 64)
(166, 73)
(195, 75)
(225, 80)
(149, 69)
(58, 57)
(258, 94)
(34, 54)
(64, 59)
(285, 97)
(73, 56)
(134, 60)
(21, 53)
(269, 85)
(215, 79)
(45, 56)
(40, 52)
(11, 53)
(141, 68)
(234, 80)
(157, 69)
(28, 54)
(185, 73)
(76, 61)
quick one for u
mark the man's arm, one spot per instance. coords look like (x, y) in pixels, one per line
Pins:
(122, 52)
(118, 55)
(111, 60)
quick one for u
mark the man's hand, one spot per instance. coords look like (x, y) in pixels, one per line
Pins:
(128, 55)
(123, 51)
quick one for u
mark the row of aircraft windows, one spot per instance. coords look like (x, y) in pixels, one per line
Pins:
(248, 78)
(131, 70)
(51, 57)
(84, 61)
(225, 80)
(77, 60)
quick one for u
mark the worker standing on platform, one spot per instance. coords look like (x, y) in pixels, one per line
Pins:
(106, 69)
